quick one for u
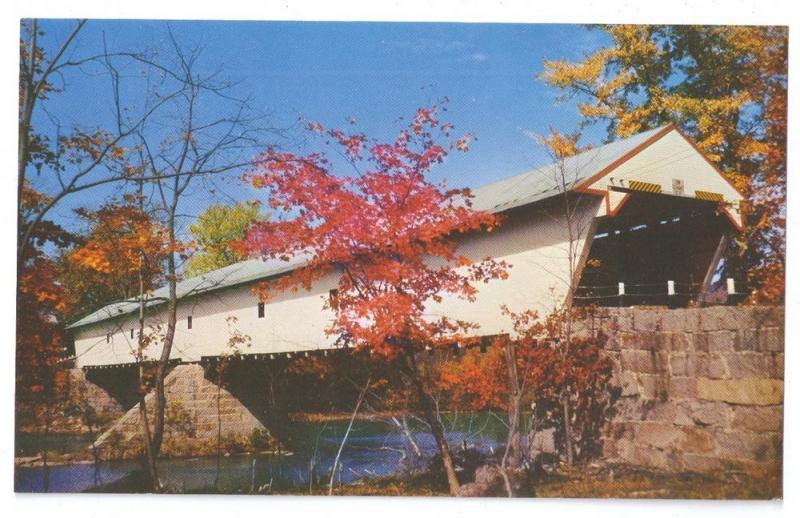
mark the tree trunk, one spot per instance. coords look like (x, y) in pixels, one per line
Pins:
(567, 426)
(220, 368)
(437, 430)
(346, 435)
(402, 425)
(150, 454)
(513, 455)
(160, 392)
(568, 443)
(169, 337)
(95, 454)
(45, 466)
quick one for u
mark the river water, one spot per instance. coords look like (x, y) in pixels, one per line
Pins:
(373, 449)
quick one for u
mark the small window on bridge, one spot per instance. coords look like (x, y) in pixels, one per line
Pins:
(108, 338)
(189, 322)
(260, 310)
(131, 332)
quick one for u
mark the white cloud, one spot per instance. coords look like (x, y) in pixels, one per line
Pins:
(453, 49)
(479, 57)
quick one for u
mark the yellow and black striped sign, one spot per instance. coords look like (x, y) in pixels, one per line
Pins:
(636, 185)
(708, 196)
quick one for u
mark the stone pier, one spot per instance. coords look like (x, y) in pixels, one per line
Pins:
(700, 389)
(199, 413)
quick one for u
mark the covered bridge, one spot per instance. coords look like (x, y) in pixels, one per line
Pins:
(642, 220)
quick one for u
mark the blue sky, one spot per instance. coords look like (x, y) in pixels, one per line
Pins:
(371, 72)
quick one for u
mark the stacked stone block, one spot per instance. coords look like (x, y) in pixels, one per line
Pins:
(700, 389)
(199, 413)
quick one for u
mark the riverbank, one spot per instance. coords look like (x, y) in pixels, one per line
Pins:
(595, 481)
(611, 481)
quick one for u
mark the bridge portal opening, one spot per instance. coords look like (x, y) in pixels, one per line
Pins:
(663, 249)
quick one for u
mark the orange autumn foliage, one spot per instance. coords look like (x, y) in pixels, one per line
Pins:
(123, 238)
(476, 380)
(40, 302)
(123, 241)
(547, 366)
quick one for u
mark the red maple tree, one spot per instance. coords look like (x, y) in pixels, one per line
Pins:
(388, 232)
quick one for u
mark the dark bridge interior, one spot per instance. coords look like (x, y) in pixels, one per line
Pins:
(652, 240)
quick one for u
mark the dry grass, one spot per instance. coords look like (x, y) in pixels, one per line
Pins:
(631, 482)
(602, 482)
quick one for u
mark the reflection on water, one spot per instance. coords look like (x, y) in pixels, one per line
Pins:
(373, 449)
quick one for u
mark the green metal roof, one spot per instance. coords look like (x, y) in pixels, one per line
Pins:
(239, 273)
(541, 183)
